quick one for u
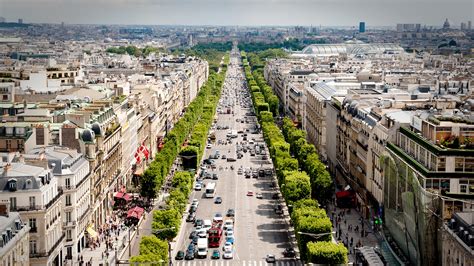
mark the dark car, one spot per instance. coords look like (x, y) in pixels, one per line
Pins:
(195, 240)
(289, 253)
(198, 222)
(192, 235)
(214, 176)
(230, 213)
(192, 209)
(191, 217)
(261, 173)
(275, 196)
(216, 254)
(179, 255)
(218, 200)
(189, 255)
(191, 247)
(230, 159)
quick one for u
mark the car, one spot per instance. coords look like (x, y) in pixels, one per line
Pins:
(224, 156)
(202, 233)
(192, 234)
(230, 159)
(255, 174)
(229, 239)
(195, 202)
(228, 223)
(208, 146)
(227, 246)
(289, 253)
(261, 173)
(179, 255)
(192, 209)
(229, 232)
(230, 213)
(228, 254)
(218, 200)
(216, 254)
(191, 217)
(240, 171)
(250, 193)
(275, 196)
(195, 240)
(259, 196)
(198, 187)
(198, 222)
(191, 247)
(218, 217)
(270, 258)
(189, 255)
(278, 209)
(215, 177)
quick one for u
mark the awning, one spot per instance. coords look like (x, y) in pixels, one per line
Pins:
(127, 197)
(135, 212)
(92, 233)
(118, 195)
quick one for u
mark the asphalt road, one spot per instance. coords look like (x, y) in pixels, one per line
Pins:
(258, 230)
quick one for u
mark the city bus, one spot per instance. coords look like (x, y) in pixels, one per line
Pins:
(215, 237)
(210, 190)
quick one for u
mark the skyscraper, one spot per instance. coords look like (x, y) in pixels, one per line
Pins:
(361, 26)
(20, 21)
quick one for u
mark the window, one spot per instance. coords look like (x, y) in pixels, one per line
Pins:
(32, 223)
(469, 165)
(13, 203)
(32, 202)
(68, 200)
(459, 164)
(68, 234)
(68, 217)
(463, 189)
(68, 182)
(33, 247)
(12, 185)
(442, 164)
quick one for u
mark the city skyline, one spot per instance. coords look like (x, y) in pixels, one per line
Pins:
(239, 13)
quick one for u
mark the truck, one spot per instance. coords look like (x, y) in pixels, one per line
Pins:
(202, 248)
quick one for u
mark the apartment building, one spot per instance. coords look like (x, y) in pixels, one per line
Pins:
(72, 172)
(14, 243)
(458, 239)
(34, 192)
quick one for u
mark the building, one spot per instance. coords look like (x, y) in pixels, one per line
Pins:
(428, 172)
(20, 21)
(14, 243)
(72, 171)
(34, 192)
(361, 27)
(458, 240)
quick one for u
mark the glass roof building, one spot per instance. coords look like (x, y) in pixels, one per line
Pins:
(349, 48)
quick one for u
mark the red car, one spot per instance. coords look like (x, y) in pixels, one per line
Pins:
(250, 193)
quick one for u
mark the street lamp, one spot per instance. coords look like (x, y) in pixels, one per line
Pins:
(316, 236)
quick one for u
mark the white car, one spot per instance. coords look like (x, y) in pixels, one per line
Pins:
(228, 224)
(229, 233)
(228, 254)
(227, 246)
(195, 203)
(209, 146)
(198, 187)
(202, 233)
(218, 217)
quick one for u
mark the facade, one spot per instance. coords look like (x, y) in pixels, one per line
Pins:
(34, 192)
(457, 239)
(14, 243)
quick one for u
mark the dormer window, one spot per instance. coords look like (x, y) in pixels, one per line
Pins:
(12, 185)
(29, 184)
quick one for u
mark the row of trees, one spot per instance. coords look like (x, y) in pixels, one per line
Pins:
(298, 188)
(290, 44)
(321, 181)
(166, 222)
(135, 51)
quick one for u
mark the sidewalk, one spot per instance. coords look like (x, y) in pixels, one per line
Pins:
(351, 217)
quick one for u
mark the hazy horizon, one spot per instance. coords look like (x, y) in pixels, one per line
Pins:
(335, 13)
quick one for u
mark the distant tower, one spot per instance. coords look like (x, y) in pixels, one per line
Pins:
(469, 25)
(20, 21)
(361, 27)
(446, 24)
(2, 20)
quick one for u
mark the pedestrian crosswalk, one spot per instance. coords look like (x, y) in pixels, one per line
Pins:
(237, 263)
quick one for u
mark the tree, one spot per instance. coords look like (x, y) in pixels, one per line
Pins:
(327, 253)
(266, 116)
(152, 249)
(297, 186)
(148, 184)
(163, 219)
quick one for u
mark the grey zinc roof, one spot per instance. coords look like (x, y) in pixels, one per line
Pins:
(21, 173)
(59, 157)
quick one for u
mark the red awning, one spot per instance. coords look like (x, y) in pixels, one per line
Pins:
(345, 193)
(118, 195)
(127, 197)
(135, 212)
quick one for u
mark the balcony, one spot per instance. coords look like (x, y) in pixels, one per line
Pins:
(51, 250)
(55, 199)
(69, 224)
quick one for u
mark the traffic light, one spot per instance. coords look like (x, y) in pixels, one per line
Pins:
(378, 221)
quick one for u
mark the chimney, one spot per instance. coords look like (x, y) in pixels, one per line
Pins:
(4, 208)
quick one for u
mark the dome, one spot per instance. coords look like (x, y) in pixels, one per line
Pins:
(87, 135)
(97, 130)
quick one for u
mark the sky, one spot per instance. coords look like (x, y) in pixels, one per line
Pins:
(239, 12)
